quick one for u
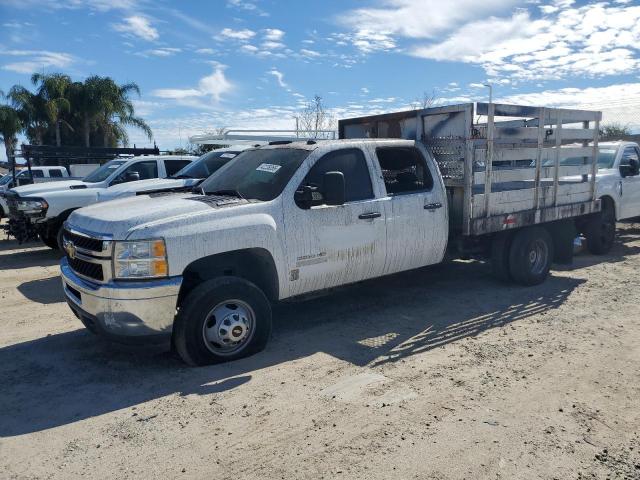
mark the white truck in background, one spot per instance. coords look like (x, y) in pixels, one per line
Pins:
(39, 210)
(280, 221)
(23, 177)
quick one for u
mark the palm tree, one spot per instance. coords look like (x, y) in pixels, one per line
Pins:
(53, 89)
(10, 126)
(32, 112)
(118, 112)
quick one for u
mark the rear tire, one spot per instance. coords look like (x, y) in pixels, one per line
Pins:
(600, 230)
(221, 320)
(500, 246)
(530, 256)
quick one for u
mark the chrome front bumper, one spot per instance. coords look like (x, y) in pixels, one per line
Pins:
(123, 311)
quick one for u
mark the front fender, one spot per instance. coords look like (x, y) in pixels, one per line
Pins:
(188, 242)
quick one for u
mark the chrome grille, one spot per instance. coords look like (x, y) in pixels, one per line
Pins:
(83, 241)
(87, 269)
(88, 254)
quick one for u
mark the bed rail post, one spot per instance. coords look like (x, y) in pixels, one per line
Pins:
(488, 166)
(542, 112)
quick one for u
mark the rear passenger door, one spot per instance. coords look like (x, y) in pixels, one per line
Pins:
(330, 245)
(417, 225)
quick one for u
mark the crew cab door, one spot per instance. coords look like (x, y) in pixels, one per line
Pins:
(330, 245)
(417, 225)
(630, 186)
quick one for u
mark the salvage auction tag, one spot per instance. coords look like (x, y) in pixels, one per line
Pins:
(268, 167)
(228, 155)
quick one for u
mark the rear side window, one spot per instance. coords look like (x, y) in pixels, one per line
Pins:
(55, 173)
(352, 164)
(173, 166)
(404, 170)
(37, 173)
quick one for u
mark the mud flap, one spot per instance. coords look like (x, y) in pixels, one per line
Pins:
(563, 234)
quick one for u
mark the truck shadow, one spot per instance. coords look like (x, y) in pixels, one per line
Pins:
(43, 290)
(63, 378)
(41, 257)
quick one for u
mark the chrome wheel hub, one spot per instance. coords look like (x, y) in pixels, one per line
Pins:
(228, 327)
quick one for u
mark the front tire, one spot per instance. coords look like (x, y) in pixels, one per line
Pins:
(52, 238)
(221, 320)
(600, 231)
(530, 256)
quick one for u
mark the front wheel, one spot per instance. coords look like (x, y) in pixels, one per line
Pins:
(223, 319)
(530, 256)
(52, 238)
(600, 231)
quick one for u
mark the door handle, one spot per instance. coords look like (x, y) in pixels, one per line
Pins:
(367, 216)
(433, 206)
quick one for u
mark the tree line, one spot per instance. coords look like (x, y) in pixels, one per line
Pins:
(59, 111)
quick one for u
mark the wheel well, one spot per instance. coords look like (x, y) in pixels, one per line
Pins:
(253, 264)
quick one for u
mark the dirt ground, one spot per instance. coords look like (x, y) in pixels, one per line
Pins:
(439, 373)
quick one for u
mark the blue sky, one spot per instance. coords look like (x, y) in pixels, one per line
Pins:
(203, 65)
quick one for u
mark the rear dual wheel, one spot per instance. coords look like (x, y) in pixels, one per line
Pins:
(523, 257)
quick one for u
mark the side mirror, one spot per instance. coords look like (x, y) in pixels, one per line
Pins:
(304, 197)
(630, 170)
(132, 177)
(333, 188)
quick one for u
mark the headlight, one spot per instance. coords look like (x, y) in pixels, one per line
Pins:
(140, 259)
(31, 206)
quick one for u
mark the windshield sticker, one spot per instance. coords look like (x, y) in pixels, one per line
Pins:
(268, 167)
(113, 166)
(227, 155)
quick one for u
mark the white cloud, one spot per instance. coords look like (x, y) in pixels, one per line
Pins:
(273, 34)
(247, 6)
(426, 19)
(279, 77)
(205, 51)
(241, 35)
(137, 26)
(35, 60)
(163, 51)
(213, 86)
(618, 103)
(594, 40)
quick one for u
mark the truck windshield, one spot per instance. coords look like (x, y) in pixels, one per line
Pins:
(102, 173)
(205, 165)
(257, 174)
(8, 177)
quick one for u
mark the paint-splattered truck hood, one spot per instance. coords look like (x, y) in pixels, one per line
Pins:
(145, 215)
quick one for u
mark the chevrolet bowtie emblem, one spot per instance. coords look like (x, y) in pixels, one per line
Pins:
(70, 248)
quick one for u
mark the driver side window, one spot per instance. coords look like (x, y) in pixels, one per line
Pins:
(353, 165)
(630, 153)
(146, 170)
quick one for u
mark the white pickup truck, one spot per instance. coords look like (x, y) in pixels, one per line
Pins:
(22, 177)
(618, 188)
(39, 210)
(286, 220)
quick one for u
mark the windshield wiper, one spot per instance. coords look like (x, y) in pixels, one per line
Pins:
(232, 193)
(182, 176)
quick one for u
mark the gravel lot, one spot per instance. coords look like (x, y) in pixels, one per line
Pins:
(439, 373)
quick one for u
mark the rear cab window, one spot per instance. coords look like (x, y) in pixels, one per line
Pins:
(55, 173)
(404, 170)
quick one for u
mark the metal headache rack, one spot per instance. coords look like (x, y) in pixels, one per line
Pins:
(501, 174)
